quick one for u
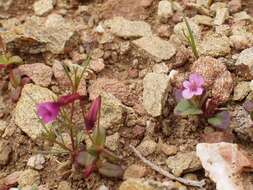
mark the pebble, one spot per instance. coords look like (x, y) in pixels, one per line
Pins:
(135, 171)
(147, 147)
(28, 177)
(112, 141)
(135, 184)
(164, 10)
(36, 162)
(241, 90)
(42, 7)
(246, 58)
(5, 152)
(64, 185)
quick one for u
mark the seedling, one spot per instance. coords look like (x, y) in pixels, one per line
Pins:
(60, 114)
(190, 38)
(193, 100)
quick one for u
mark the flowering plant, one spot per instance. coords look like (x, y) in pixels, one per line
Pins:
(83, 158)
(193, 100)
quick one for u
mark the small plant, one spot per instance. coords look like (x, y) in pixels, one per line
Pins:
(84, 158)
(190, 38)
(7, 62)
(193, 100)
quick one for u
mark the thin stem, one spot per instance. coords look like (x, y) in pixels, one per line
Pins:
(199, 184)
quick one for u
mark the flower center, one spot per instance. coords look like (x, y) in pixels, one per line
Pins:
(193, 86)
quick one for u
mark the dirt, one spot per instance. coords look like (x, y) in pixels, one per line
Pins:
(129, 68)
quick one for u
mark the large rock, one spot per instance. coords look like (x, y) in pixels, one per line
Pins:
(43, 7)
(38, 72)
(246, 58)
(36, 35)
(25, 112)
(127, 29)
(214, 45)
(158, 48)
(183, 163)
(155, 93)
(224, 163)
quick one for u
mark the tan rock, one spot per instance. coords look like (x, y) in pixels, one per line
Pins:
(147, 147)
(134, 184)
(29, 177)
(135, 171)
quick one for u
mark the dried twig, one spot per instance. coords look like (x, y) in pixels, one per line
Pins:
(199, 184)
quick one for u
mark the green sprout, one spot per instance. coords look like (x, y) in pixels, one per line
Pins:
(190, 38)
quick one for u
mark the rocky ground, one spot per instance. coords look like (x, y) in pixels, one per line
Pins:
(139, 54)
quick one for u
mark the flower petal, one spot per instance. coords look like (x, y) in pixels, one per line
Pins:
(198, 79)
(187, 94)
(91, 116)
(48, 111)
(199, 91)
(186, 84)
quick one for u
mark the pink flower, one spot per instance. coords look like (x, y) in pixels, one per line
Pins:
(193, 87)
(91, 116)
(48, 111)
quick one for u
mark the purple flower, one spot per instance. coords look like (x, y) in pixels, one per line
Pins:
(48, 111)
(91, 116)
(193, 87)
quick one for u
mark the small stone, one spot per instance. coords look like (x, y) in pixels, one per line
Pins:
(246, 58)
(28, 177)
(160, 68)
(203, 19)
(38, 72)
(243, 15)
(158, 48)
(3, 125)
(164, 31)
(25, 112)
(235, 5)
(147, 147)
(180, 29)
(64, 185)
(183, 163)
(135, 184)
(128, 29)
(169, 150)
(156, 87)
(164, 10)
(112, 141)
(223, 30)
(214, 45)
(97, 65)
(103, 187)
(5, 152)
(135, 171)
(36, 162)
(241, 91)
(221, 15)
(43, 7)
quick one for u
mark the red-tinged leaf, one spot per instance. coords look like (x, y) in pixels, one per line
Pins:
(91, 116)
(110, 170)
(220, 120)
(85, 159)
(88, 170)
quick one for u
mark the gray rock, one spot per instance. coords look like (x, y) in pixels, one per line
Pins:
(214, 45)
(147, 147)
(242, 123)
(36, 162)
(28, 177)
(158, 48)
(183, 163)
(112, 112)
(5, 151)
(156, 88)
(38, 72)
(112, 141)
(246, 58)
(128, 29)
(36, 35)
(164, 10)
(241, 90)
(43, 7)
(25, 112)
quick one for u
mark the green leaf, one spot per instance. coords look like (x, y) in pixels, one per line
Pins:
(186, 107)
(110, 170)
(220, 120)
(15, 59)
(85, 159)
(3, 60)
(215, 121)
(99, 135)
